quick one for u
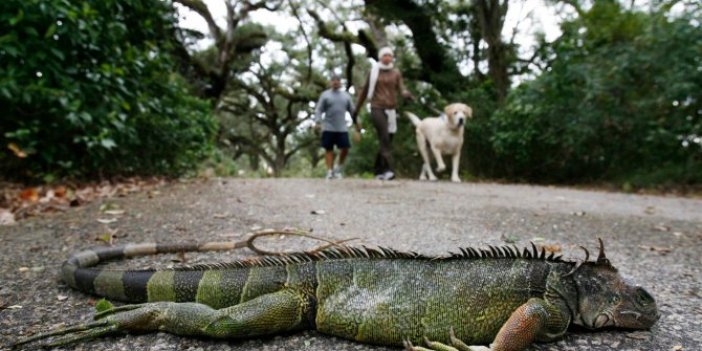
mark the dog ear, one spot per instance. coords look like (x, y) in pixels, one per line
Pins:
(468, 111)
(449, 109)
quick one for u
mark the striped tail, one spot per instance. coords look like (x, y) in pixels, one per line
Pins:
(80, 273)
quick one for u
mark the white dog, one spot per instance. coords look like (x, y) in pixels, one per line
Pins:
(444, 135)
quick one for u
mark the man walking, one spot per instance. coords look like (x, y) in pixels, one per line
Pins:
(331, 114)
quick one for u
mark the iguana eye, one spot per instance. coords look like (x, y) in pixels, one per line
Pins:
(643, 297)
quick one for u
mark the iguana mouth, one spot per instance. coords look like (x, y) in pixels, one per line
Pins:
(636, 315)
(602, 320)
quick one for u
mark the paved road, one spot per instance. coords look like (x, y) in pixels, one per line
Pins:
(654, 240)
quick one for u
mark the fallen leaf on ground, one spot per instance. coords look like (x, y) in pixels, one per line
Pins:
(661, 227)
(318, 212)
(660, 250)
(509, 239)
(107, 220)
(639, 335)
(676, 348)
(550, 248)
(60, 191)
(29, 195)
(61, 297)
(14, 307)
(104, 237)
(6, 217)
(114, 212)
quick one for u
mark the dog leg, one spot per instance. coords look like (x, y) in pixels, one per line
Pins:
(426, 166)
(454, 166)
(440, 165)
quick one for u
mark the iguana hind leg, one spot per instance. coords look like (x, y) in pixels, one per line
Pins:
(534, 320)
(282, 311)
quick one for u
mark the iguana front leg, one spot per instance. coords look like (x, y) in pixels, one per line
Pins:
(534, 320)
(282, 311)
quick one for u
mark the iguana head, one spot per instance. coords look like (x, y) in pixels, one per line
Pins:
(605, 299)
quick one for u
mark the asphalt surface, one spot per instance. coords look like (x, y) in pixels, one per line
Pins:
(654, 240)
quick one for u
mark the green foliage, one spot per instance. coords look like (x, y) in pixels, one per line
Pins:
(86, 89)
(103, 305)
(620, 101)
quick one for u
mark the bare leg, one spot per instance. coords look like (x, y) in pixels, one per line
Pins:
(329, 159)
(342, 156)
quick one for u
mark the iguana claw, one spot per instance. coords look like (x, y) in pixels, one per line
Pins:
(456, 345)
(410, 347)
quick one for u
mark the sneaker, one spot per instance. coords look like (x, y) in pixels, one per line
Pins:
(338, 172)
(330, 175)
(389, 175)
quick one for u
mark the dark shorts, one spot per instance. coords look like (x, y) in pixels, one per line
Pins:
(340, 139)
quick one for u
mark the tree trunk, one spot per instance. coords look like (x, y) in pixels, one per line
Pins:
(491, 18)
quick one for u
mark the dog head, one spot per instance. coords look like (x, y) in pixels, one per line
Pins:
(457, 114)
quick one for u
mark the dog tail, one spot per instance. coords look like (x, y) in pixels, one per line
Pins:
(415, 120)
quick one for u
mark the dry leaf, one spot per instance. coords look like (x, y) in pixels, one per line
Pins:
(61, 297)
(639, 335)
(29, 195)
(550, 248)
(661, 227)
(661, 250)
(114, 212)
(107, 220)
(6, 217)
(60, 191)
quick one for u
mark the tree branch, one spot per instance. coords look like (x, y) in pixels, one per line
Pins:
(307, 40)
(201, 9)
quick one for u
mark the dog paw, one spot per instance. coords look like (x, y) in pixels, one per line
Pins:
(455, 180)
(440, 169)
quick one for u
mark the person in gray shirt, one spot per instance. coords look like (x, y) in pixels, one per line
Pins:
(331, 115)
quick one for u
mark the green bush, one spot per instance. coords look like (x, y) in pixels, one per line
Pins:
(87, 89)
(621, 101)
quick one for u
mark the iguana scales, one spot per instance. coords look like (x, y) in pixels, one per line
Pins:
(501, 295)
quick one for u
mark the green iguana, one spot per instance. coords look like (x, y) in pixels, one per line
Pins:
(500, 295)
